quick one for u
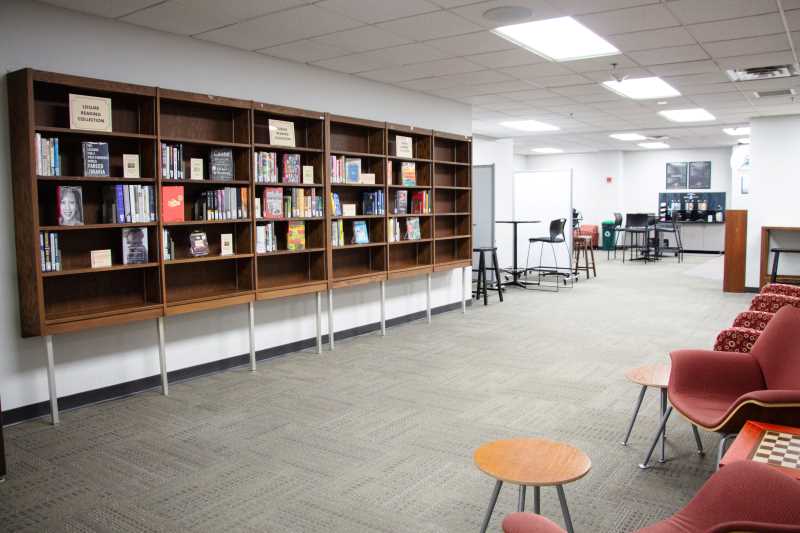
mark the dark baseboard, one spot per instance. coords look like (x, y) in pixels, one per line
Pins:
(752, 289)
(35, 410)
(709, 252)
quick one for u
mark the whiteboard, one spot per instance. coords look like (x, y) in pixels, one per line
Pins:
(543, 195)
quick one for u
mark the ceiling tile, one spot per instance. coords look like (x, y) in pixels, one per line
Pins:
(697, 79)
(675, 69)
(530, 95)
(380, 59)
(507, 58)
(361, 39)
(694, 11)
(605, 75)
(472, 43)
(645, 40)
(104, 8)
(485, 99)
(600, 63)
(372, 12)
(750, 45)
(759, 60)
(713, 88)
(540, 9)
(245, 9)
(305, 51)
(674, 54)
(279, 28)
(534, 72)
(737, 28)
(580, 7)
(429, 26)
(421, 70)
(626, 20)
(560, 81)
(473, 83)
(178, 16)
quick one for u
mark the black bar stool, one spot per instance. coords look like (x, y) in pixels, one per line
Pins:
(483, 287)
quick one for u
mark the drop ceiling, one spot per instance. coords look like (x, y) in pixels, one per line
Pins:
(445, 48)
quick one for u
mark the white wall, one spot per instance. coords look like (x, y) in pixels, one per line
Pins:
(48, 38)
(500, 153)
(774, 189)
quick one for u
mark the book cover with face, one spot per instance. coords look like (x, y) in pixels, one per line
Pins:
(70, 205)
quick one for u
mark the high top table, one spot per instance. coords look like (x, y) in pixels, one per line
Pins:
(515, 271)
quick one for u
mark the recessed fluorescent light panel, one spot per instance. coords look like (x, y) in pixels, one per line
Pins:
(627, 136)
(642, 88)
(697, 114)
(557, 39)
(548, 150)
(736, 132)
(529, 125)
(654, 146)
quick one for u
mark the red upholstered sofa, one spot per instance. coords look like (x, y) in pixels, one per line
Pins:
(741, 497)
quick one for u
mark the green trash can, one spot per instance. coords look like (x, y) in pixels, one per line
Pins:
(608, 234)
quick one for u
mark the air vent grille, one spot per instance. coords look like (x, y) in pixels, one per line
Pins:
(762, 73)
(777, 92)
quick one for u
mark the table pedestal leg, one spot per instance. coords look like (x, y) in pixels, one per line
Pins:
(564, 509)
(492, 502)
(661, 427)
(521, 500)
(537, 500)
(698, 441)
(635, 413)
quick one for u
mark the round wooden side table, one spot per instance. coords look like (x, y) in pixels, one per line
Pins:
(531, 462)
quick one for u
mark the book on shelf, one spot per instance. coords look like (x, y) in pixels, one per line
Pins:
(130, 166)
(48, 156)
(96, 162)
(220, 163)
(89, 112)
(353, 170)
(172, 203)
(348, 210)
(367, 178)
(360, 232)
(413, 232)
(228, 203)
(308, 174)
(337, 233)
(291, 168)
(100, 258)
(226, 244)
(421, 203)
(198, 243)
(408, 173)
(266, 167)
(196, 168)
(265, 238)
(272, 202)
(302, 203)
(393, 230)
(372, 203)
(169, 246)
(400, 202)
(336, 205)
(257, 207)
(296, 235)
(403, 146)
(69, 202)
(128, 203)
(49, 251)
(172, 165)
(389, 171)
(134, 246)
(281, 132)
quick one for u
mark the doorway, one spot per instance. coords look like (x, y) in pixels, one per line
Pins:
(482, 208)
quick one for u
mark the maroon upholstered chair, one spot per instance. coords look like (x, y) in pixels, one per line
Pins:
(770, 302)
(741, 337)
(743, 496)
(781, 288)
(720, 391)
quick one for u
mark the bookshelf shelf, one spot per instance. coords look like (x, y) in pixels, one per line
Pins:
(145, 118)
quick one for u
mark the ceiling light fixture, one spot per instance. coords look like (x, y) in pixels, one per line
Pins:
(642, 88)
(744, 140)
(557, 39)
(627, 136)
(654, 146)
(697, 114)
(529, 125)
(662, 102)
(547, 150)
(736, 132)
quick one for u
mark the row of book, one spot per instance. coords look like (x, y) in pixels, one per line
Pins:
(49, 251)
(396, 232)
(127, 203)
(420, 203)
(173, 164)
(267, 240)
(372, 203)
(229, 203)
(275, 204)
(266, 168)
(48, 158)
(348, 170)
(360, 233)
(408, 173)
(169, 246)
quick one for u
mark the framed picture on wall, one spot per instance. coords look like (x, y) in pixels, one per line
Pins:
(676, 175)
(700, 175)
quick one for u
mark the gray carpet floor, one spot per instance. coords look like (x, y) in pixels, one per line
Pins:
(379, 434)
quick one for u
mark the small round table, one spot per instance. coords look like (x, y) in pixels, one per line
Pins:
(531, 462)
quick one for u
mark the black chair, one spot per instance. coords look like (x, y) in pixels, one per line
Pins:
(556, 237)
(637, 226)
(483, 286)
(670, 227)
(618, 230)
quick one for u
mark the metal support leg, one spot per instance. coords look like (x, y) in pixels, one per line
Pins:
(723, 446)
(698, 441)
(635, 413)
(162, 357)
(664, 431)
(252, 312)
(383, 308)
(564, 509)
(428, 300)
(661, 426)
(537, 500)
(51, 379)
(521, 499)
(492, 503)
(464, 286)
(330, 319)
(319, 322)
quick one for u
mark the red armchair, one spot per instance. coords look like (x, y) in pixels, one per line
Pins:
(743, 496)
(781, 288)
(770, 302)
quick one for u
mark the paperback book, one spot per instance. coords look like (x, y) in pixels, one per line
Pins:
(360, 232)
(408, 174)
(220, 162)
(134, 246)
(273, 202)
(413, 232)
(69, 202)
(400, 202)
(337, 233)
(291, 168)
(296, 236)
(198, 243)
(96, 163)
(49, 251)
(353, 170)
(172, 206)
(48, 160)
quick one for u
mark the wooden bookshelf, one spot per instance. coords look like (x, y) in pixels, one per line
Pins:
(452, 201)
(79, 296)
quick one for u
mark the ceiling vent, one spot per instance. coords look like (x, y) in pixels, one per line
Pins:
(507, 14)
(763, 73)
(777, 92)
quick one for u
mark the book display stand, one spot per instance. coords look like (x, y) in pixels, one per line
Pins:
(188, 202)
